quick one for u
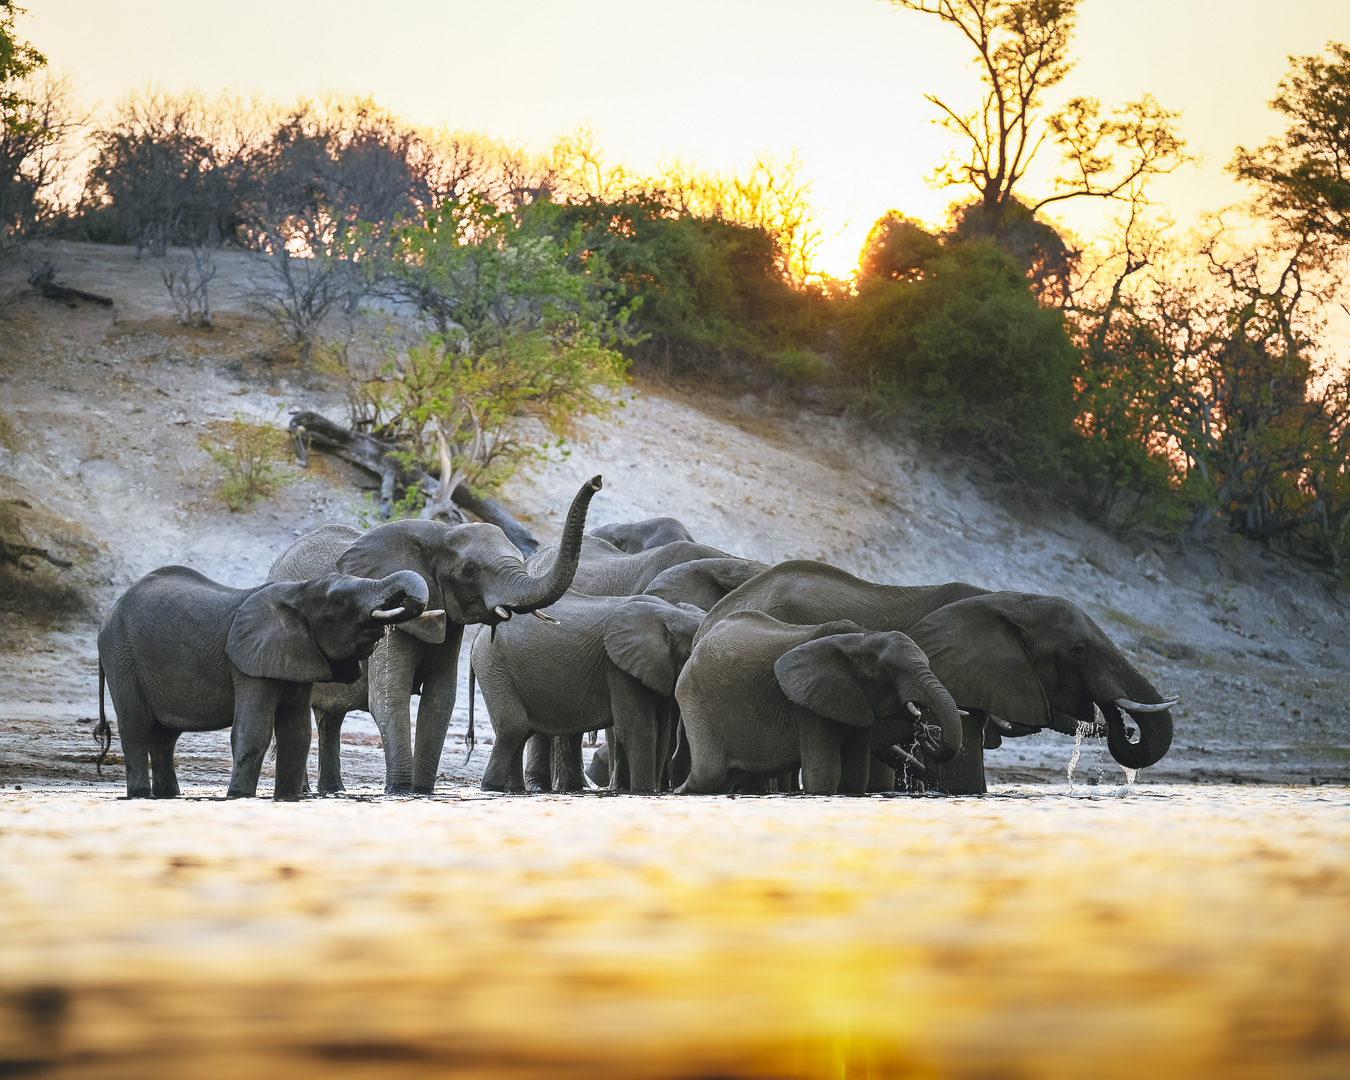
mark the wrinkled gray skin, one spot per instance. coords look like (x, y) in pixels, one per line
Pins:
(612, 662)
(183, 653)
(472, 571)
(1034, 662)
(807, 593)
(635, 536)
(604, 570)
(759, 697)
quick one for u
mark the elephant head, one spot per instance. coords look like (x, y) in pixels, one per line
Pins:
(635, 536)
(858, 679)
(474, 573)
(1031, 662)
(703, 582)
(320, 630)
(651, 640)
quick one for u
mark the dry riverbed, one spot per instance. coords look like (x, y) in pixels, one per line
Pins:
(1164, 932)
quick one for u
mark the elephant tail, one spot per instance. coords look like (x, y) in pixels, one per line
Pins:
(103, 732)
(468, 737)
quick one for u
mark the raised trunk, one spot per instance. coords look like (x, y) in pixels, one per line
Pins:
(528, 592)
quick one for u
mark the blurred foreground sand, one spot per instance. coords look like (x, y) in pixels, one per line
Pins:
(1165, 933)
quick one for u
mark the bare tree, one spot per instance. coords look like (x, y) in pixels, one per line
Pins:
(1023, 48)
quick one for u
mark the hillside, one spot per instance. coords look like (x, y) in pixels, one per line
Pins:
(106, 410)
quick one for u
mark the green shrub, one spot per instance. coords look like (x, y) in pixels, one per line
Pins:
(249, 453)
(966, 345)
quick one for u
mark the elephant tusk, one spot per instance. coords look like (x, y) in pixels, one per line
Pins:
(1000, 723)
(433, 613)
(1136, 707)
(501, 612)
(962, 712)
(546, 618)
(387, 613)
(898, 757)
(914, 710)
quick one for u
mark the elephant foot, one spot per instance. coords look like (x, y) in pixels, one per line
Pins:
(534, 787)
(332, 790)
(140, 793)
(288, 796)
(428, 790)
(390, 789)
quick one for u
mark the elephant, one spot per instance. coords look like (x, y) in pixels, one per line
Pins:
(1020, 662)
(634, 536)
(612, 662)
(759, 697)
(476, 575)
(604, 570)
(180, 652)
(808, 593)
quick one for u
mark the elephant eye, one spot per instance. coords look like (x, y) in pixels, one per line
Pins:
(469, 570)
(1079, 650)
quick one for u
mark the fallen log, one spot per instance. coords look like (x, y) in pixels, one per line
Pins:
(12, 553)
(43, 279)
(312, 431)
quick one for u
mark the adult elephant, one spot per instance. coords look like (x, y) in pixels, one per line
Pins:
(759, 697)
(476, 575)
(605, 570)
(635, 536)
(1021, 662)
(181, 652)
(612, 663)
(808, 593)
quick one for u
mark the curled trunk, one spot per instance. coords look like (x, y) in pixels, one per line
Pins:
(402, 595)
(940, 726)
(528, 592)
(1154, 737)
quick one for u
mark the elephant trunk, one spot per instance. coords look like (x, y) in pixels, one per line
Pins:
(399, 597)
(1130, 688)
(530, 592)
(1155, 736)
(939, 726)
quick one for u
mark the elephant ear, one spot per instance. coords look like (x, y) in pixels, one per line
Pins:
(820, 676)
(703, 581)
(403, 545)
(978, 654)
(650, 640)
(269, 639)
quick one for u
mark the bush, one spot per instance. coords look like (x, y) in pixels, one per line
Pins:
(966, 344)
(250, 454)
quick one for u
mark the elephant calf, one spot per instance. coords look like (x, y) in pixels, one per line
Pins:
(759, 697)
(611, 661)
(180, 652)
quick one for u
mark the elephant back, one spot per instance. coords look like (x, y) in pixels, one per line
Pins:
(314, 554)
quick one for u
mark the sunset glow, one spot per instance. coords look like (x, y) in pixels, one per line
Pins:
(713, 83)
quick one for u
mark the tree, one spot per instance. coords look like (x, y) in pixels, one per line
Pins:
(521, 329)
(1023, 48)
(1304, 177)
(28, 125)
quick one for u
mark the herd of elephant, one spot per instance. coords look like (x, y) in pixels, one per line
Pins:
(707, 672)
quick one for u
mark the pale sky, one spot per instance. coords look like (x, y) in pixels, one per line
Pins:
(712, 81)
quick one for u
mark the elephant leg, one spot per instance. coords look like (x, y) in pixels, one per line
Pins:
(293, 735)
(821, 766)
(163, 776)
(539, 763)
(881, 777)
(708, 770)
(511, 730)
(964, 774)
(787, 781)
(634, 708)
(567, 775)
(134, 724)
(440, 684)
(330, 749)
(391, 670)
(855, 756)
(255, 710)
(598, 769)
